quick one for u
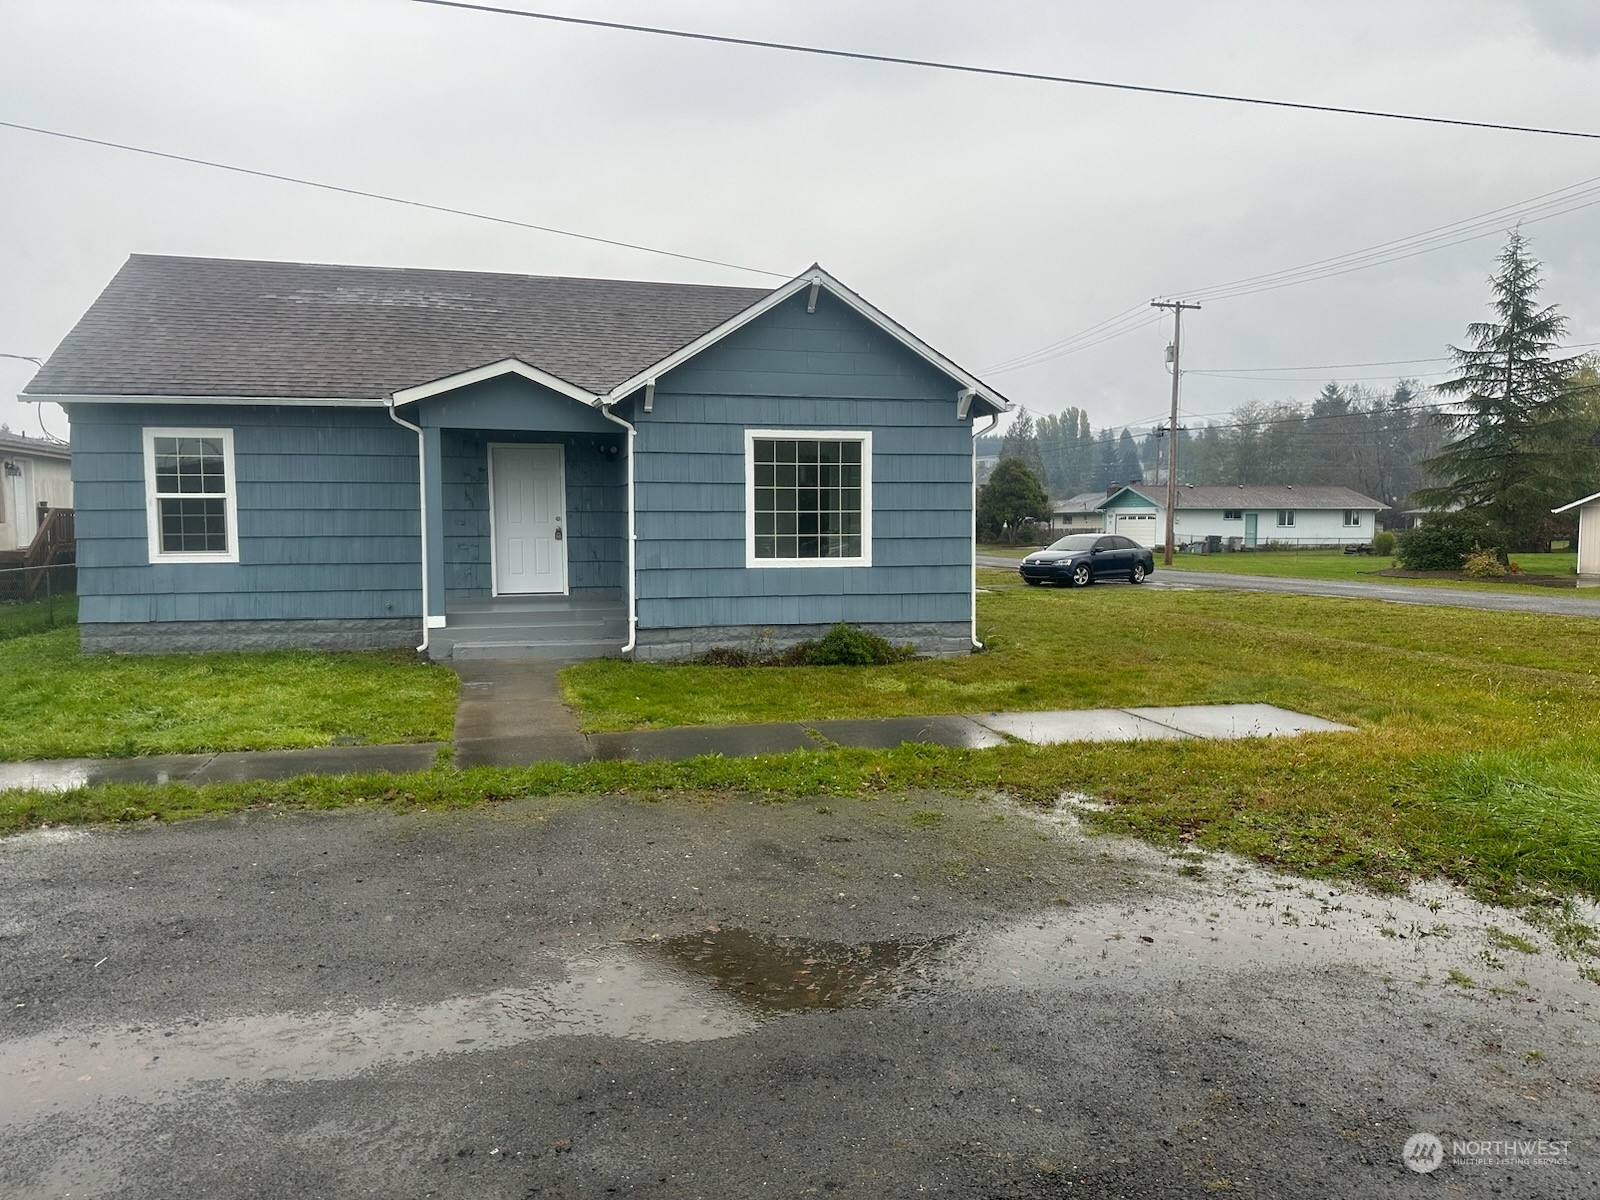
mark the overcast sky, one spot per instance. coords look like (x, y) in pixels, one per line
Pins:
(992, 217)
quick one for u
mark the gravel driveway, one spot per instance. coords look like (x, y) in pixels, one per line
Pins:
(878, 998)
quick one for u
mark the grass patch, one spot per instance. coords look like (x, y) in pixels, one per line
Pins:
(1475, 756)
(58, 703)
(23, 618)
(1354, 568)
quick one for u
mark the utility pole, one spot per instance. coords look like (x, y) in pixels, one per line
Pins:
(1177, 307)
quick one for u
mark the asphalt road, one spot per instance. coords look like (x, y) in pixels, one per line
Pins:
(1530, 599)
(884, 998)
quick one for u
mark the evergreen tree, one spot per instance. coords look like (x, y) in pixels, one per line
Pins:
(1518, 435)
(1022, 441)
(1129, 468)
(1011, 499)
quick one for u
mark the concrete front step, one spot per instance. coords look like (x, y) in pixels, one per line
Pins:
(464, 651)
(576, 618)
(597, 631)
(581, 599)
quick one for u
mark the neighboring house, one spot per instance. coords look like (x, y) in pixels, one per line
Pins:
(1242, 516)
(280, 454)
(35, 476)
(1588, 510)
(1078, 514)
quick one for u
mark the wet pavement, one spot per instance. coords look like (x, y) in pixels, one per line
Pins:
(901, 996)
(511, 715)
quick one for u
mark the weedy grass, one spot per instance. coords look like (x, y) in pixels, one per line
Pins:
(58, 703)
(23, 618)
(1475, 754)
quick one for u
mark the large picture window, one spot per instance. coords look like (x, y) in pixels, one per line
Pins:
(189, 491)
(808, 498)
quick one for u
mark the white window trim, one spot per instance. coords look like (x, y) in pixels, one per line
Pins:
(153, 510)
(864, 436)
(1286, 512)
(1359, 516)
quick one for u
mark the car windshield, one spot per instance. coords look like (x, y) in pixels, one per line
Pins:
(1078, 541)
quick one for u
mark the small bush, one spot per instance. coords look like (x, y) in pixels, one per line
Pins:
(1444, 542)
(1483, 564)
(842, 646)
(846, 646)
(1383, 544)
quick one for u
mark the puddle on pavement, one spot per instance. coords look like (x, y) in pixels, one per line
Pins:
(616, 996)
(788, 975)
(715, 983)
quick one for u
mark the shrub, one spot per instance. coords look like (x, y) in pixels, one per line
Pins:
(1383, 543)
(842, 646)
(1445, 541)
(1483, 564)
(846, 646)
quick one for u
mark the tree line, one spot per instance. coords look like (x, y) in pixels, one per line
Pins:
(1514, 433)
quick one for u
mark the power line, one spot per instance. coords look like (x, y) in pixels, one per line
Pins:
(388, 199)
(1392, 362)
(1527, 212)
(999, 72)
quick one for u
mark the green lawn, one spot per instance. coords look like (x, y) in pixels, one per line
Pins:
(19, 619)
(57, 703)
(1476, 755)
(1335, 564)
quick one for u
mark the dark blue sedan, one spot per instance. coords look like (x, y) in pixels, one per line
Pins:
(1082, 558)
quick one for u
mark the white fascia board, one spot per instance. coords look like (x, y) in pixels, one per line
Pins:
(1576, 504)
(321, 401)
(507, 366)
(814, 277)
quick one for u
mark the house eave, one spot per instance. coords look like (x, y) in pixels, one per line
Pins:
(1575, 504)
(495, 370)
(93, 398)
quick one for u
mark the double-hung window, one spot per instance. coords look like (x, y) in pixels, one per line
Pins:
(1352, 518)
(808, 498)
(190, 495)
(1286, 518)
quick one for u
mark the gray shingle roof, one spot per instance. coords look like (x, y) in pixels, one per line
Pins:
(1271, 496)
(1234, 496)
(168, 326)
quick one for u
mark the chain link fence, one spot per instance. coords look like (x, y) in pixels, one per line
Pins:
(36, 599)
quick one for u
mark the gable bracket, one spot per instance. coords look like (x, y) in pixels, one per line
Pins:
(650, 395)
(964, 403)
(811, 300)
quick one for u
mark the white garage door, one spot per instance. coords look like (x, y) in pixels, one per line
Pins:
(1140, 527)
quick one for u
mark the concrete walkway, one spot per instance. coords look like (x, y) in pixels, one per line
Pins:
(1532, 599)
(510, 714)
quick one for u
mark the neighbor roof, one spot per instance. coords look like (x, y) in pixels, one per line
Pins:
(1296, 496)
(1239, 496)
(11, 443)
(168, 326)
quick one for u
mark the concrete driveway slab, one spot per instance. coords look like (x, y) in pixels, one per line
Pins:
(1237, 720)
(1078, 725)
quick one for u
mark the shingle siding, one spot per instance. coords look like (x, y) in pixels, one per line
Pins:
(327, 502)
(793, 370)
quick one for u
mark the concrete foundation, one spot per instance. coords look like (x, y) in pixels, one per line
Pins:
(181, 637)
(942, 639)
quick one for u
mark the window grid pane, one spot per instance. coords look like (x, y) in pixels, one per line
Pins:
(194, 526)
(807, 498)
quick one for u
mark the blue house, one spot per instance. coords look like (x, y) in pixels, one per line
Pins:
(484, 465)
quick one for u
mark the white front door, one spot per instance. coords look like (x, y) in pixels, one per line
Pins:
(527, 511)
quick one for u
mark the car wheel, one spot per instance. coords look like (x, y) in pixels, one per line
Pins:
(1080, 575)
(1137, 574)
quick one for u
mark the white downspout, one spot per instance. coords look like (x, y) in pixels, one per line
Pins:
(633, 578)
(976, 434)
(422, 512)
